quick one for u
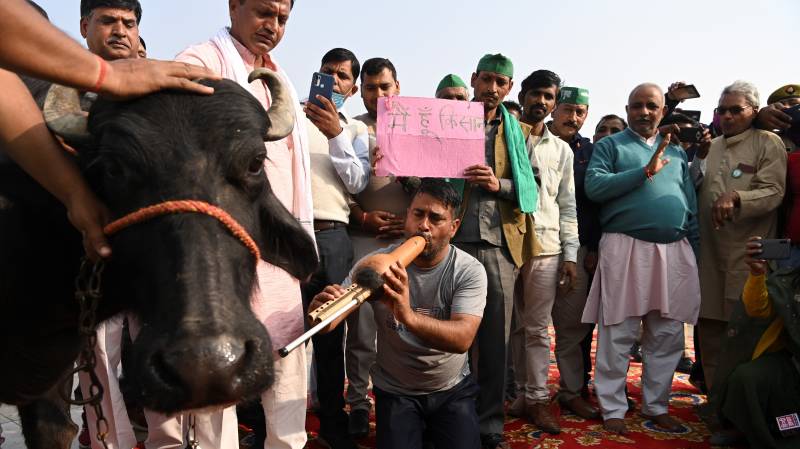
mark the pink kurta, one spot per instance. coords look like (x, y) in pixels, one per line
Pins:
(277, 302)
(635, 277)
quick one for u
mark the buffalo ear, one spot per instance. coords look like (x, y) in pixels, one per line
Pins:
(284, 243)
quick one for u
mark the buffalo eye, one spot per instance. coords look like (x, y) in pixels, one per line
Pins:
(256, 166)
(113, 169)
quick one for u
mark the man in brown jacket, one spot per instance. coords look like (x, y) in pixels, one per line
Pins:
(743, 182)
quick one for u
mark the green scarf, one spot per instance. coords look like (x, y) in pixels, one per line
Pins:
(524, 182)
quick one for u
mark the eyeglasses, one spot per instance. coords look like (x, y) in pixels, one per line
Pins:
(734, 110)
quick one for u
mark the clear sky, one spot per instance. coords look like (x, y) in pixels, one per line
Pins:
(606, 46)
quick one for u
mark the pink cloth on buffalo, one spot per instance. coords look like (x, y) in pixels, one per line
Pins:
(277, 301)
(635, 277)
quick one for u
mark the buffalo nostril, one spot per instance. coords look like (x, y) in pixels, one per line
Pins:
(205, 366)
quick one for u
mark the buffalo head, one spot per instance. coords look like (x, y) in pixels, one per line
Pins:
(184, 277)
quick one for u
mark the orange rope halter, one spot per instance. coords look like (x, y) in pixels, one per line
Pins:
(181, 206)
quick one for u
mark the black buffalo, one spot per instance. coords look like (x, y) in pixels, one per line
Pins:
(184, 277)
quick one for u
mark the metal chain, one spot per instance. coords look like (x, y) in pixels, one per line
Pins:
(88, 293)
(191, 434)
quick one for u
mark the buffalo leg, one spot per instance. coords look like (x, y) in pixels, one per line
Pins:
(46, 423)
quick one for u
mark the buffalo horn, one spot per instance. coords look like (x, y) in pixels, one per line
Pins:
(281, 113)
(63, 114)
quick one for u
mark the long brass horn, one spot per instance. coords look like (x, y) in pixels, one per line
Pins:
(64, 116)
(281, 112)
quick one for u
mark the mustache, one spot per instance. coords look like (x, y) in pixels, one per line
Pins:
(116, 40)
(426, 236)
(570, 124)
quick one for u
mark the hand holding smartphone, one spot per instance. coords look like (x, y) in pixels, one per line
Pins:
(774, 249)
(321, 84)
(691, 134)
(685, 92)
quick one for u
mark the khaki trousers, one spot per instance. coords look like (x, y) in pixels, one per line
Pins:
(540, 280)
(570, 332)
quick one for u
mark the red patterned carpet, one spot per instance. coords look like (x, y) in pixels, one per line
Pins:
(580, 433)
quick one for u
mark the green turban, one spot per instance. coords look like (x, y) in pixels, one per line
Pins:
(451, 81)
(496, 64)
(574, 95)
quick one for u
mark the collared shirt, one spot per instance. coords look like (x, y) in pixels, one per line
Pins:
(555, 218)
(337, 168)
(482, 222)
(589, 230)
(350, 155)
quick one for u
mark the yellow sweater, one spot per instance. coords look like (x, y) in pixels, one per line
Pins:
(757, 304)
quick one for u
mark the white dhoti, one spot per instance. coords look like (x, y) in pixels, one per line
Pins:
(108, 354)
(285, 403)
(652, 284)
(218, 429)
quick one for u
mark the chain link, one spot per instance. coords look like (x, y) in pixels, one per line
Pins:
(88, 293)
(191, 434)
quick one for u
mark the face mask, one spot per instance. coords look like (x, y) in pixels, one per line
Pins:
(338, 100)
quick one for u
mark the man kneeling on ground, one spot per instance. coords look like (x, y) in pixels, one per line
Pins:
(427, 318)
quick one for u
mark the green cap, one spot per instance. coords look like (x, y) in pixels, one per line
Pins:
(574, 95)
(497, 64)
(451, 81)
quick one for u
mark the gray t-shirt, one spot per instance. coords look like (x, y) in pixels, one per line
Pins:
(406, 364)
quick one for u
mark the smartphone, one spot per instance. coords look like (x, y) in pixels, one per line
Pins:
(685, 92)
(694, 115)
(794, 113)
(775, 249)
(691, 134)
(321, 84)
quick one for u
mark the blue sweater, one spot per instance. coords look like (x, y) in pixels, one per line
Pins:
(663, 210)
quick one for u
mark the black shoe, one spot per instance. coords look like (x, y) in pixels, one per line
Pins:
(336, 441)
(358, 426)
(636, 353)
(493, 441)
(685, 365)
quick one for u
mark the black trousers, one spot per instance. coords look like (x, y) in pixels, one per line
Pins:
(336, 258)
(447, 419)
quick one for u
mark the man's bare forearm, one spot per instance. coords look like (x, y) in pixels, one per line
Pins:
(26, 139)
(29, 38)
(454, 335)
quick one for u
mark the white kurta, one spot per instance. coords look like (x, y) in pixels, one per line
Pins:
(635, 277)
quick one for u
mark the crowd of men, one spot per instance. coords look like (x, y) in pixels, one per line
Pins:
(633, 233)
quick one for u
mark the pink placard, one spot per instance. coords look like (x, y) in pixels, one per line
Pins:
(428, 137)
